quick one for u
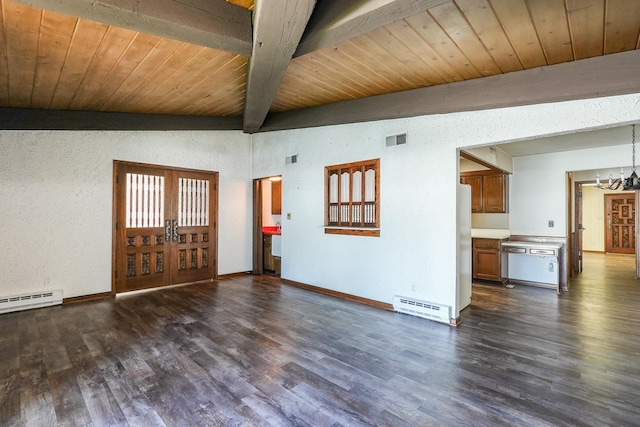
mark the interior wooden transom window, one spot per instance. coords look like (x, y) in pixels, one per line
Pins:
(352, 197)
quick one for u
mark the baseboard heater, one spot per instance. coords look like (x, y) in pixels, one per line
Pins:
(427, 310)
(32, 300)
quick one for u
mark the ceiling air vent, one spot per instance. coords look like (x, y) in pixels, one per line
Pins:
(399, 139)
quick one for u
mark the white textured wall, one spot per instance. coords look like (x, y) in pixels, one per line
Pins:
(56, 201)
(538, 189)
(416, 252)
(55, 192)
(366, 266)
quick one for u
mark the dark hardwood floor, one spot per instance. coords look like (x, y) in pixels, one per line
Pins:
(250, 351)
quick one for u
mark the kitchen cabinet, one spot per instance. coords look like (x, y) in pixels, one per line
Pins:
(476, 191)
(489, 191)
(268, 263)
(276, 197)
(487, 260)
(494, 193)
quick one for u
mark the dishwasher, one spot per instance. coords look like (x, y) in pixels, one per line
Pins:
(533, 263)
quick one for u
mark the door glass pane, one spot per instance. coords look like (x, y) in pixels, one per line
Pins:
(193, 202)
(144, 196)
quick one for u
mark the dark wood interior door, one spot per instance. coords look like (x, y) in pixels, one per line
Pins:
(193, 201)
(142, 249)
(577, 250)
(165, 230)
(620, 227)
(258, 247)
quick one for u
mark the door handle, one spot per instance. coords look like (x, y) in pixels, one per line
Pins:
(175, 230)
(167, 230)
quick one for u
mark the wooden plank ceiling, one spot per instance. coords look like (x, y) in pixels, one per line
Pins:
(169, 61)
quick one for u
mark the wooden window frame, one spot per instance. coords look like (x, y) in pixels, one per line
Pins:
(348, 226)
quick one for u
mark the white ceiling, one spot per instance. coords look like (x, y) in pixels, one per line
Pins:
(576, 141)
(570, 142)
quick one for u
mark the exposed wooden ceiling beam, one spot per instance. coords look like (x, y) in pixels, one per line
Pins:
(609, 75)
(211, 23)
(278, 27)
(336, 20)
(35, 119)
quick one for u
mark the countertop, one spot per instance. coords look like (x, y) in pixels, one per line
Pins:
(541, 245)
(273, 230)
(490, 233)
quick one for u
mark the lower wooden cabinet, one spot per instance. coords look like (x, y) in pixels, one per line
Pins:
(487, 260)
(268, 263)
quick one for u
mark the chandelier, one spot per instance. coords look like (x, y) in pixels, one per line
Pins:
(628, 184)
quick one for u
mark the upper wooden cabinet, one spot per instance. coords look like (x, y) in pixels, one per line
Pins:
(494, 195)
(276, 197)
(476, 191)
(489, 191)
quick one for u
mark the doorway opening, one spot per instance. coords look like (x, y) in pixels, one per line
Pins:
(267, 225)
(165, 226)
(604, 222)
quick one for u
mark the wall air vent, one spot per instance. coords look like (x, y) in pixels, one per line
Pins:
(292, 159)
(394, 140)
(427, 310)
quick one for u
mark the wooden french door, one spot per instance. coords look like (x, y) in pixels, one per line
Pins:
(165, 226)
(620, 227)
